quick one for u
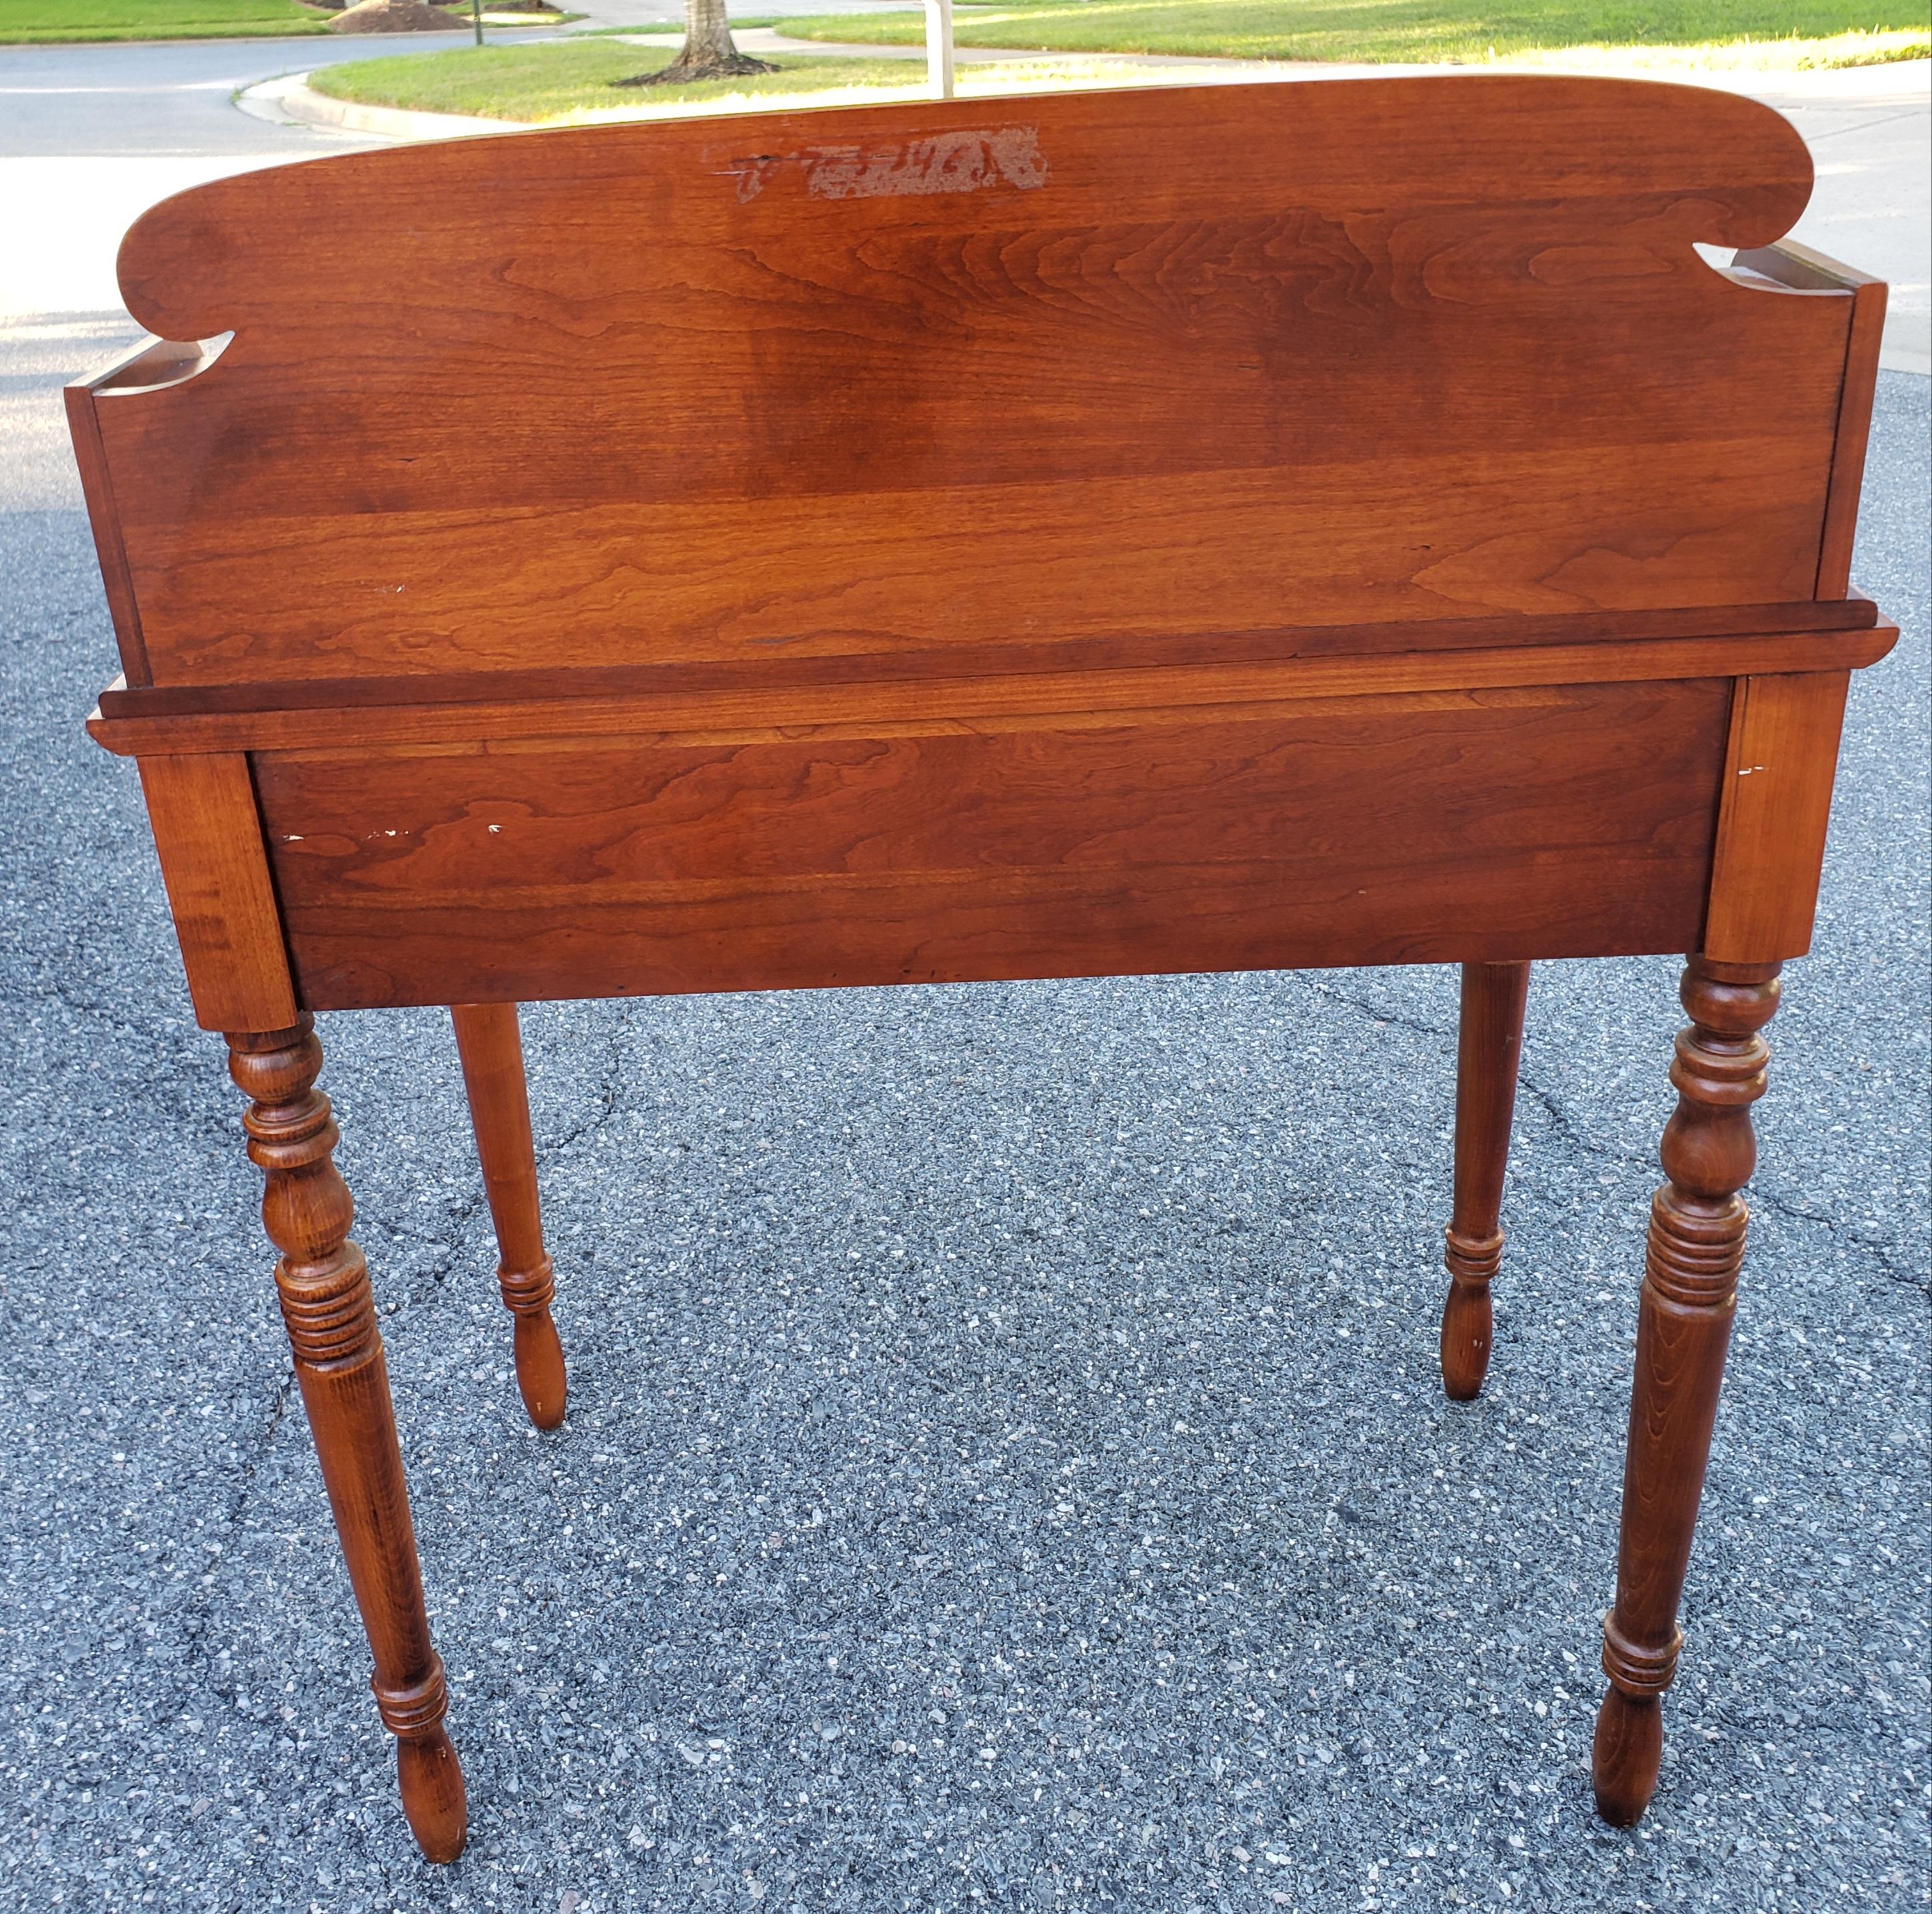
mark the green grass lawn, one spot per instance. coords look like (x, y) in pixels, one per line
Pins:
(572, 80)
(27, 20)
(1825, 32)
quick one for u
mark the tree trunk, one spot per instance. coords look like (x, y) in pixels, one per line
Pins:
(708, 51)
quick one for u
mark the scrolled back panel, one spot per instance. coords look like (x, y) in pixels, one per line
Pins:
(1134, 362)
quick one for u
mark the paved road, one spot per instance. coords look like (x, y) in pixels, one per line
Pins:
(1006, 1468)
(91, 136)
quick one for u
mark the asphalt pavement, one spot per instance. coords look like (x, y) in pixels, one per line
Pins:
(1007, 1467)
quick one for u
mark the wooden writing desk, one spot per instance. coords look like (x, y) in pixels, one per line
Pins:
(1178, 530)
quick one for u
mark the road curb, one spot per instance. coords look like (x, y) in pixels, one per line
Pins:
(291, 101)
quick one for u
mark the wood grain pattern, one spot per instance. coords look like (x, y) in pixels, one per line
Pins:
(145, 366)
(1695, 1251)
(1540, 531)
(721, 703)
(330, 1313)
(1775, 809)
(208, 835)
(1488, 1052)
(1610, 633)
(1547, 822)
(104, 521)
(491, 1046)
(1790, 264)
(1848, 461)
(1328, 353)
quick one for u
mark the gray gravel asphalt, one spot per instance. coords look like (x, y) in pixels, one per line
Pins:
(1006, 1466)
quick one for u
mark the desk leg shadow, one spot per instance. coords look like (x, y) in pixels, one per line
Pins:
(1689, 1297)
(491, 1047)
(1489, 1050)
(331, 1314)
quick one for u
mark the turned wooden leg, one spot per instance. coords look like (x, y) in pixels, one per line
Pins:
(1684, 1327)
(492, 1050)
(1489, 1050)
(330, 1315)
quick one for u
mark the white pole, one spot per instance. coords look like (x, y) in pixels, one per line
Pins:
(939, 48)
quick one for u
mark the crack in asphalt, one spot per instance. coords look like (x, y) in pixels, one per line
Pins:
(1892, 1267)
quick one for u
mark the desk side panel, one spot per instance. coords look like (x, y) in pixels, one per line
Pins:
(1537, 823)
(97, 489)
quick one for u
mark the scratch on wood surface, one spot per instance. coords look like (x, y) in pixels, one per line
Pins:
(968, 161)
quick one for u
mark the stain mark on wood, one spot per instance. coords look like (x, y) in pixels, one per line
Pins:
(968, 160)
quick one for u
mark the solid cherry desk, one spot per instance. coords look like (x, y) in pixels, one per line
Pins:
(1230, 528)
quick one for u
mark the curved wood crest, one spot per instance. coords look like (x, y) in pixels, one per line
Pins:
(1130, 363)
